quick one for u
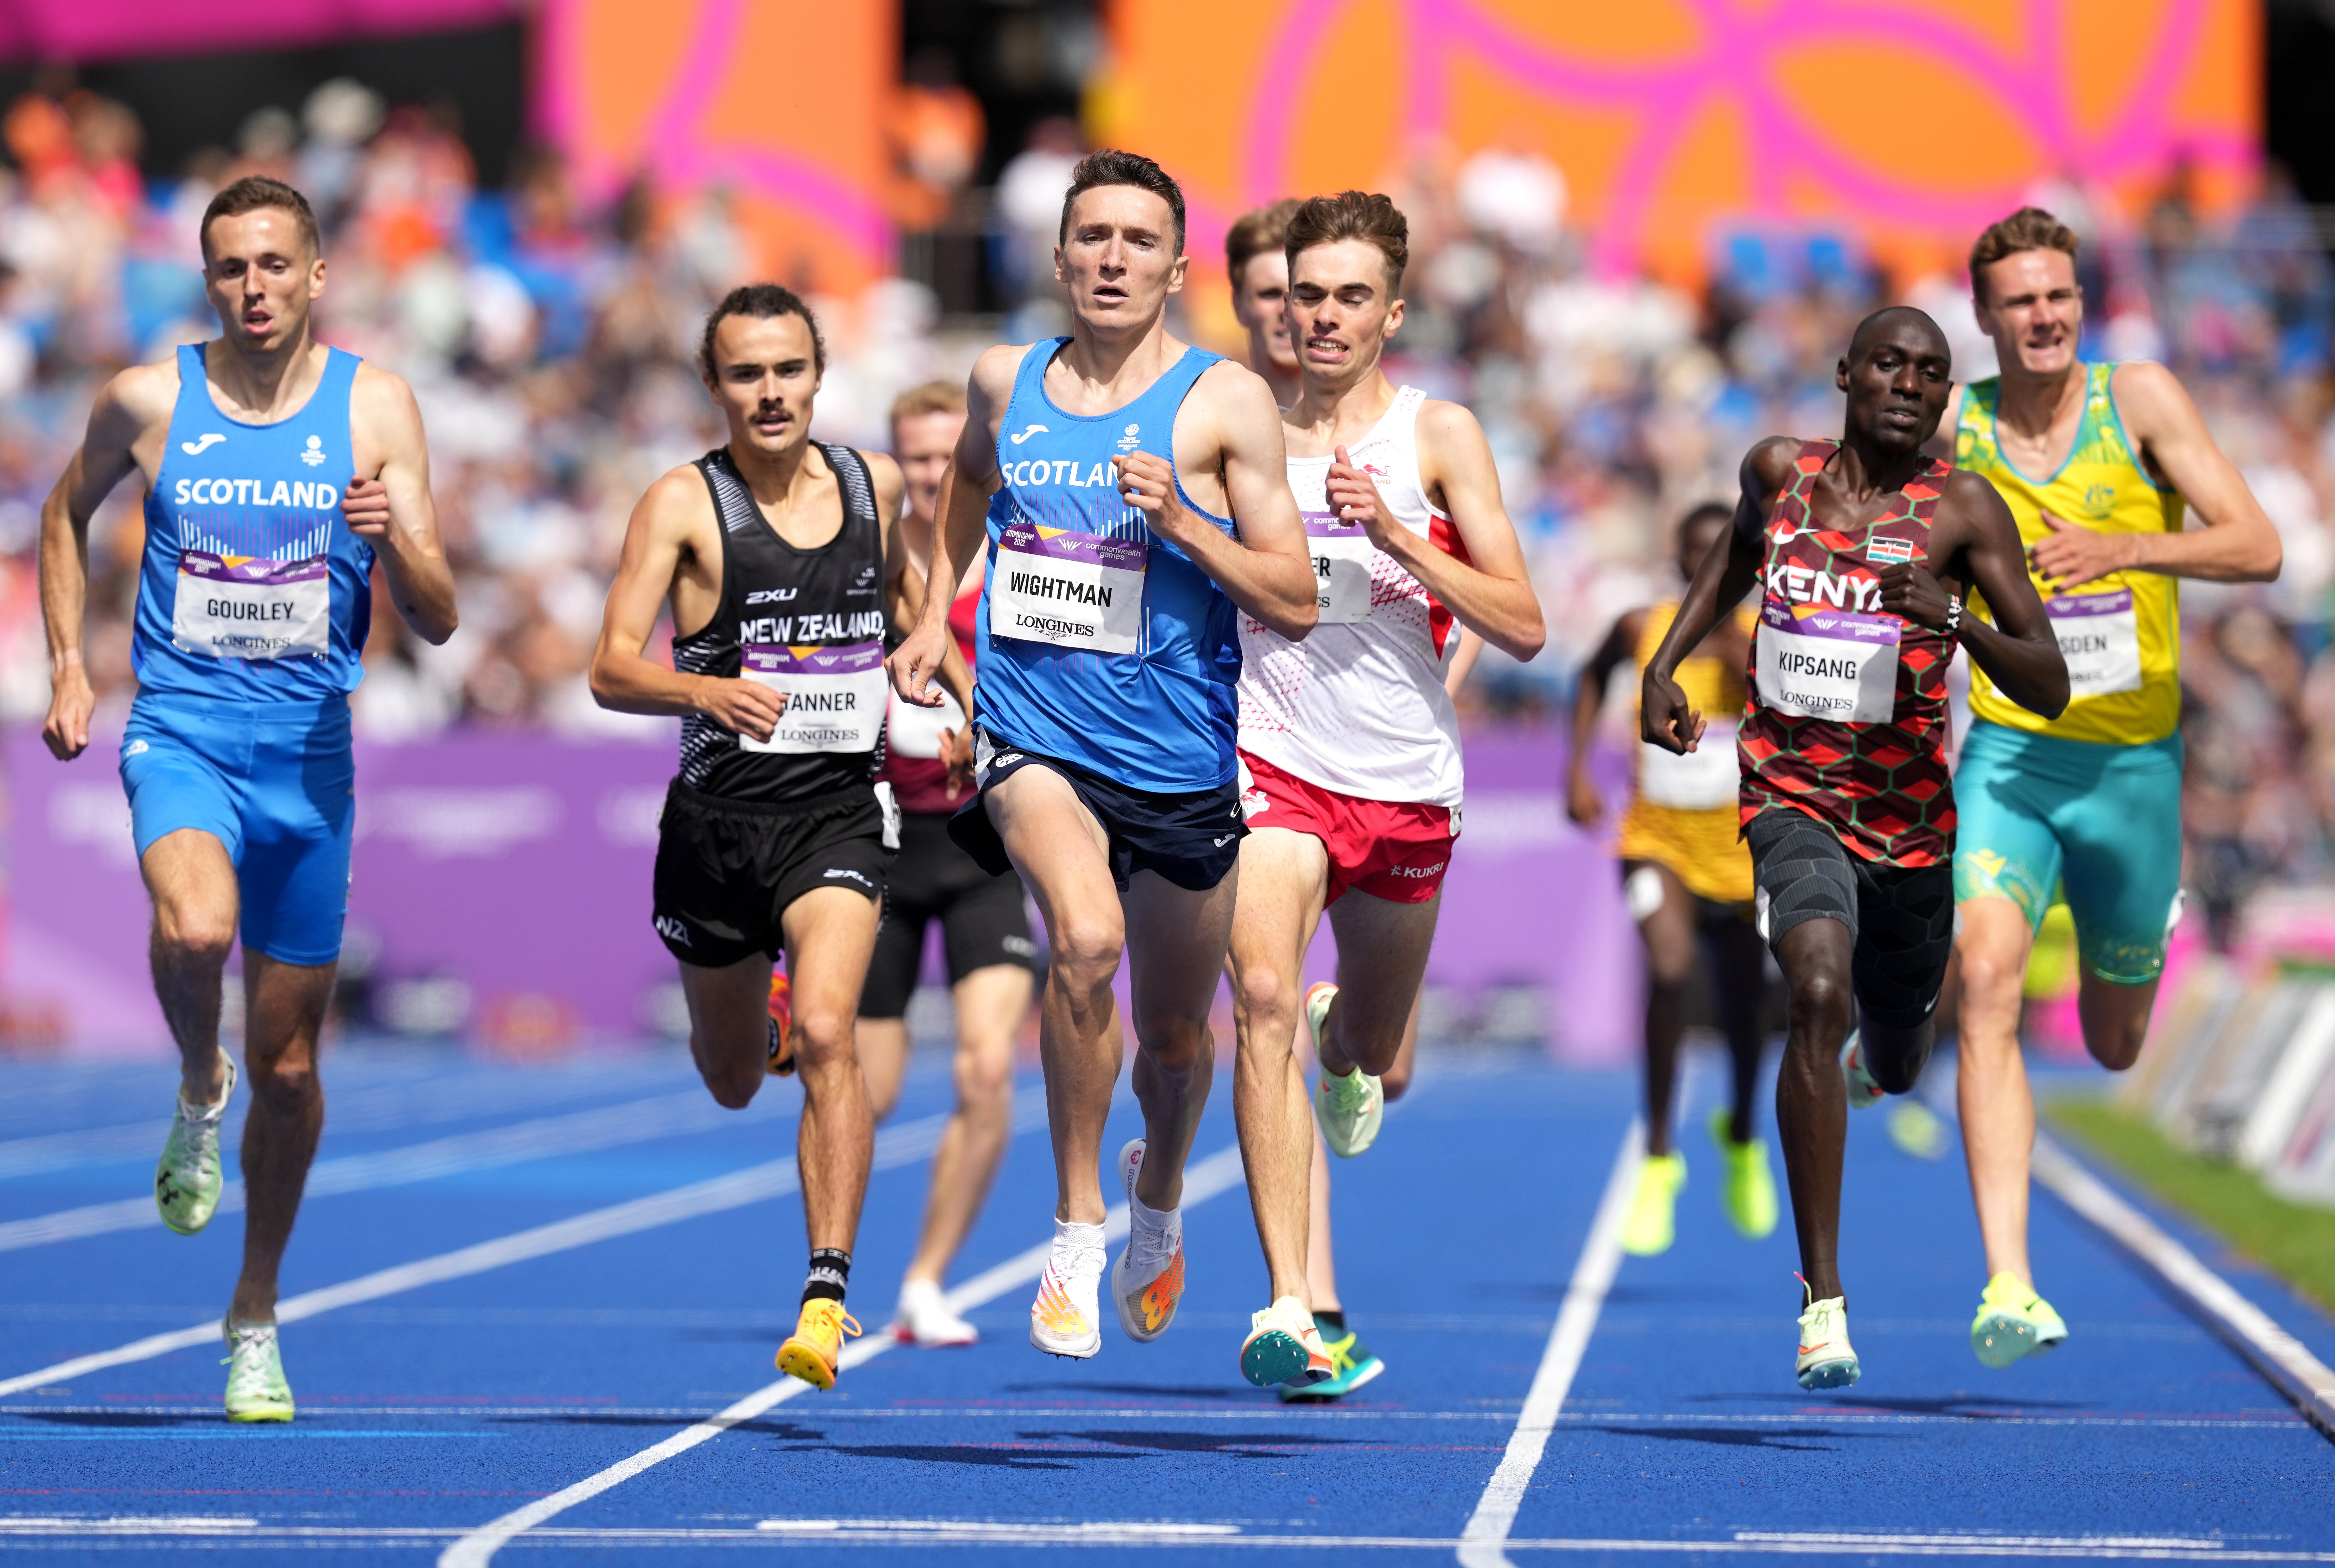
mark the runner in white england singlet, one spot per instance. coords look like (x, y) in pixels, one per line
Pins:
(1359, 706)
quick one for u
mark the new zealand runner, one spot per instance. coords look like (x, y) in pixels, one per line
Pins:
(1132, 494)
(1350, 745)
(772, 549)
(984, 922)
(1865, 550)
(277, 472)
(1687, 880)
(2101, 464)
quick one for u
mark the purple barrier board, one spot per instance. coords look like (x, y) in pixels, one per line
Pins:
(517, 866)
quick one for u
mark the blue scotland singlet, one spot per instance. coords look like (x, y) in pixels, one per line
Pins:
(253, 589)
(1100, 643)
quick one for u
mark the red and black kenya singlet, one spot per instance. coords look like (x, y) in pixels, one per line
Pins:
(1846, 718)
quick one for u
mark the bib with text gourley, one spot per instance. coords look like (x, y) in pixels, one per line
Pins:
(244, 608)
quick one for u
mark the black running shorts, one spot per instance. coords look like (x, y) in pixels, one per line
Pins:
(1901, 918)
(984, 920)
(1192, 840)
(726, 870)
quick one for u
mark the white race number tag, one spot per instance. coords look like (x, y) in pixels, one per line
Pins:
(243, 607)
(915, 731)
(1828, 664)
(2099, 636)
(1701, 779)
(835, 695)
(1342, 568)
(1073, 590)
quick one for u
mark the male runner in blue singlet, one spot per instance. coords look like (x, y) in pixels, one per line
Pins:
(1132, 492)
(252, 604)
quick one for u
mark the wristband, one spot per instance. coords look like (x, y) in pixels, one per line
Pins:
(1954, 615)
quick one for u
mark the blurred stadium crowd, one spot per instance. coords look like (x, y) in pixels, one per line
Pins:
(549, 341)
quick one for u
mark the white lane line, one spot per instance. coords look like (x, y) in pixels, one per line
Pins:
(792, 1534)
(2278, 1355)
(1219, 1172)
(902, 1145)
(578, 1132)
(1304, 1415)
(1484, 1540)
(365, 1106)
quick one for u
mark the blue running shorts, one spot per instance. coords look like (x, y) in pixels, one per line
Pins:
(273, 782)
(2037, 812)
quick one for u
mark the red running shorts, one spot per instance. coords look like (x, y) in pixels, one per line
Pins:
(1390, 851)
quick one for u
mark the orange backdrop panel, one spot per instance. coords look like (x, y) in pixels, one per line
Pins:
(778, 101)
(1910, 123)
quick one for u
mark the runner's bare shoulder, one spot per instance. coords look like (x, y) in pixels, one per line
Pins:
(138, 401)
(990, 386)
(1233, 397)
(678, 506)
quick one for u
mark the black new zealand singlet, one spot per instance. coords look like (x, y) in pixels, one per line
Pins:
(807, 623)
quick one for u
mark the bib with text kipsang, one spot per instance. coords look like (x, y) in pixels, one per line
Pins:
(243, 607)
(835, 695)
(1827, 664)
(1070, 589)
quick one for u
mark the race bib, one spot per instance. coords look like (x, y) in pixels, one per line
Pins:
(2099, 636)
(914, 732)
(1073, 590)
(243, 607)
(835, 695)
(1827, 664)
(1342, 568)
(1701, 781)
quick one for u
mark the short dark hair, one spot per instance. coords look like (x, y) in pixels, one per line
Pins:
(1255, 233)
(761, 301)
(2028, 228)
(252, 193)
(1109, 166)
(1352, 215)
(1706, 512)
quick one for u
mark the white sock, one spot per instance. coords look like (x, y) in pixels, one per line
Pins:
(1153, 1233)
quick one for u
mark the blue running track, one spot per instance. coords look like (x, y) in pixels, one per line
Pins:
(434, 1400)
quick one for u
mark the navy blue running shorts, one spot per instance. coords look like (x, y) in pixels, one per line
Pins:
(1192, 840)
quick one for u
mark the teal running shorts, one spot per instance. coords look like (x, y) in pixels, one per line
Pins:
(2037, 812)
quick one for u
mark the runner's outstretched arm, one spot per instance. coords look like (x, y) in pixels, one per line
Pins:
(1665, 718)
(624, 680)
(131, 403)
(1268, 571)
(2019, 652)
(963, 509)
(1484, 583)
(392, 509)
(2238, 544)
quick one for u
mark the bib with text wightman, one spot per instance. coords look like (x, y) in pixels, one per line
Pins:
(1828, 664)
(1342, 568)
(1703, 779)
(2099, 636)
(244, 608)
(835, 695)
(1070, 589)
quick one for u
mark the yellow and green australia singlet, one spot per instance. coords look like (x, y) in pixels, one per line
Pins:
(2121, 635)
